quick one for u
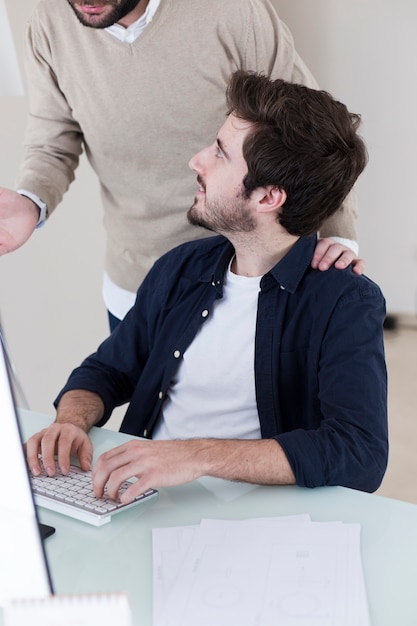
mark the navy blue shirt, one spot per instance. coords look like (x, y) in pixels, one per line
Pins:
(320, 375)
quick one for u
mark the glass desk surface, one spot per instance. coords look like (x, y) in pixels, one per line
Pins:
(118, 556)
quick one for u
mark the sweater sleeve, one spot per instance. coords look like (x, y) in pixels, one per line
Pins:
(270, 46)
(53, 140)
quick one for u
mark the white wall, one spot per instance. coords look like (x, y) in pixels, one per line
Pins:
(363, 51)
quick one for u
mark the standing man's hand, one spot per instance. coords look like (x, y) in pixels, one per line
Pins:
(329, 252)
(18, 218)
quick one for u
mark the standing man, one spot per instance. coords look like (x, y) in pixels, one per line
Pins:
(238, 358)
(139, 86)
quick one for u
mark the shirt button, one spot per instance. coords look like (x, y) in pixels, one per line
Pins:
(282, 287)
(160, 395)
(204, 313)
(177, 354)
(145, 432)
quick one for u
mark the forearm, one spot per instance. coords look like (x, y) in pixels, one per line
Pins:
(81, 408)
(48, 170)
(166, 463)
(254, 461)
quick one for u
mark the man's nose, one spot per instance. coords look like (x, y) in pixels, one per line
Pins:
(196, 162)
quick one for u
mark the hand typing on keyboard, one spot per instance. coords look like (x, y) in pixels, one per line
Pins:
(72, 494)
(76, 485)
(152, 462)
(160, 463)
(63, 440)
(67, 436)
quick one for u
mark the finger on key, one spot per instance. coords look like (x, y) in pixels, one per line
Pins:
(49, 445)
(32, 447)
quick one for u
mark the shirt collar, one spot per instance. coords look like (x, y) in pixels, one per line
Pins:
(216, 273)
(133, 31)
(288, 272)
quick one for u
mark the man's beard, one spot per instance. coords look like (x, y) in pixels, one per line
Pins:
(118, 12)
(232, 216)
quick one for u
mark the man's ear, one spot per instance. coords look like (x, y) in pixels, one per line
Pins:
(270, 199)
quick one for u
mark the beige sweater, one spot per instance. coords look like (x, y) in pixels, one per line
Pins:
(141, 110)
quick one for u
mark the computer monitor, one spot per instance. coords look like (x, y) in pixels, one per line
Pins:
(24, 570)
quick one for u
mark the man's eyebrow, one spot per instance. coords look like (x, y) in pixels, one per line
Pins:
(222, 148)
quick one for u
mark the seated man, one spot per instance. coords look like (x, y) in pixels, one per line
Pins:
(238, 359)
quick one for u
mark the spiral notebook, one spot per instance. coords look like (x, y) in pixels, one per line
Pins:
(106, 609)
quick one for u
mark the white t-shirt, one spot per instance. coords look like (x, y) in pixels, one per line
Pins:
(213, 392)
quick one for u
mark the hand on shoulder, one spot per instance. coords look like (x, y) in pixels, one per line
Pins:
(329, 252)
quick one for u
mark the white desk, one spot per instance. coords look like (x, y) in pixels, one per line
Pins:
(118, 556)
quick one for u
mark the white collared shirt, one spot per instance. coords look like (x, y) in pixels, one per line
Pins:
(132, 32)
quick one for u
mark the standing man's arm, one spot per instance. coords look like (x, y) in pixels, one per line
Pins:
(272, 51)
(53, 139)
(340, 226)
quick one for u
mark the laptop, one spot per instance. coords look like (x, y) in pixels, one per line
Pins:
(24, 571)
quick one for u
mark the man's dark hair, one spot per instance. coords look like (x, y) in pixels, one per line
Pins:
(303, 141)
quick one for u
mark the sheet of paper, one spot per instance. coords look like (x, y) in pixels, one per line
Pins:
(262, 572)
(170, 547)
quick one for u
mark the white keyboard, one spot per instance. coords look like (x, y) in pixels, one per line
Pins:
(72, 494)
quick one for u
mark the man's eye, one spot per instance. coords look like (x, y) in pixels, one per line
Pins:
(219, 153)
